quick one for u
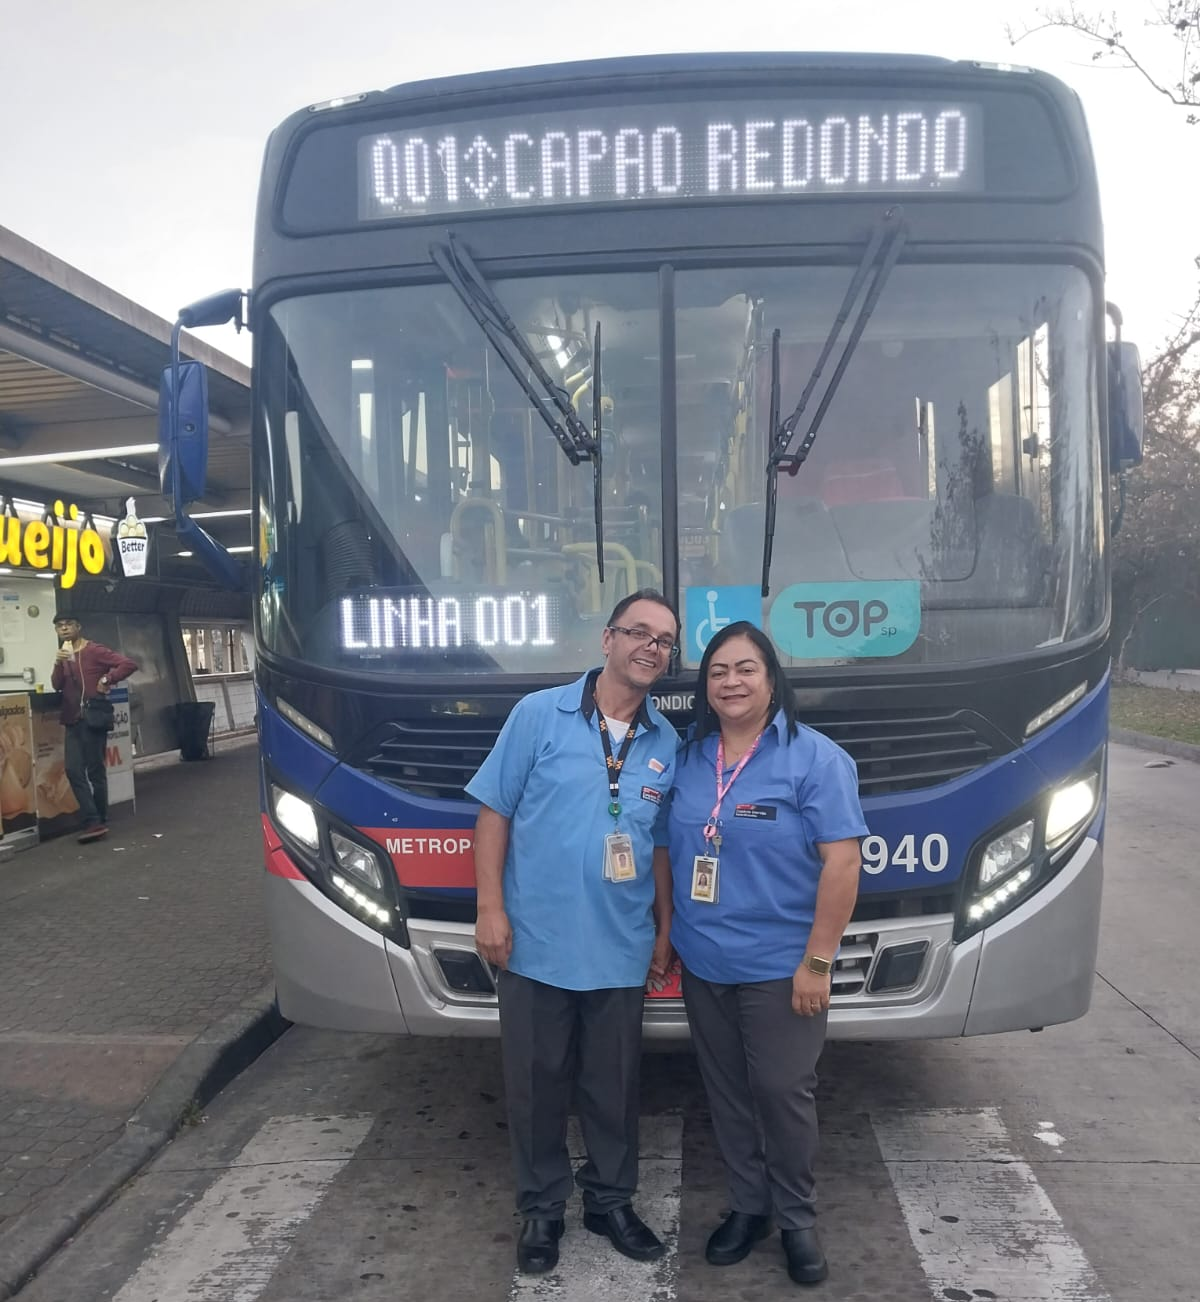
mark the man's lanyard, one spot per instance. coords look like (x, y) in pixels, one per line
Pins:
(614, 766)
(710, 828)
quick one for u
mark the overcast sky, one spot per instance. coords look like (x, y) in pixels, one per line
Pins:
(131, 132)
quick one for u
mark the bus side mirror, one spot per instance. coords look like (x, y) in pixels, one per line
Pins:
(183, 432)
(1126, 419)
(215, 310)
(183, 403)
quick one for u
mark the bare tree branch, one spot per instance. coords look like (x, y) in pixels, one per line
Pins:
(1181, 18)
(1134, 625)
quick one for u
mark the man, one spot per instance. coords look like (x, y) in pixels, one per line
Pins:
(566, 910)
(84, 670)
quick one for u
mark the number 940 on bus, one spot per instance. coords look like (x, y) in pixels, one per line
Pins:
(930, 855)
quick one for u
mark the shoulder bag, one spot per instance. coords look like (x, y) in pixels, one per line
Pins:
(98, 714)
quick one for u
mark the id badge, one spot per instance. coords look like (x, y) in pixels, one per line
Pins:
(704, 878)
(618, 858)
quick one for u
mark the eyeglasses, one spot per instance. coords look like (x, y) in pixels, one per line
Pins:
(668, 645)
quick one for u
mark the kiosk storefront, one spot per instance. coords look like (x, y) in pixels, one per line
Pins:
(45, 551)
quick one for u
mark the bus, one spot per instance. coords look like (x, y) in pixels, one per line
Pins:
(818, 341)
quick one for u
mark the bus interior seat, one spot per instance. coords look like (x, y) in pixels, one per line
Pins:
(806, 550)
(347, 558)
(861, 479)
(1011, 562)
(988, 556)
(892, 539)
(478, 542)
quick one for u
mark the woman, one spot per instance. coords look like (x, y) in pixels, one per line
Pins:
(763, 832)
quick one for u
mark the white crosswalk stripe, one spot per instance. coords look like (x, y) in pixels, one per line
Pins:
(981, 1223)
(226, 1248)
(590, 1269)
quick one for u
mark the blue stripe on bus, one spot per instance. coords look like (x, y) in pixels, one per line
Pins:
(913, 823)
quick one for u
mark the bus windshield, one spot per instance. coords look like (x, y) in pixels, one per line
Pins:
(417, 517)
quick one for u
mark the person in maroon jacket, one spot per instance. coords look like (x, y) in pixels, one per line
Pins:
(83, 670)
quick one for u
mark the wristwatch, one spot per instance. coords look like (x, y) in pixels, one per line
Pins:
(821, 966)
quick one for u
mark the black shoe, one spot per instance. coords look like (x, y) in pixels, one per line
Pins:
(734, 1237)
(806, 1262)
(537, 1248)
(96, 832)
(627, 1232)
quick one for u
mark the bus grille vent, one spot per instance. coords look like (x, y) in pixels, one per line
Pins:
(437, 758)
(893, 751)
(849, 975)
(904, 752)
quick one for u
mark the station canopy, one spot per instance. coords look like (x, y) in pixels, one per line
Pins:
(79, 374)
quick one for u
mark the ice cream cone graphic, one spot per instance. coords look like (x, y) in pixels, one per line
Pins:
(132, 542)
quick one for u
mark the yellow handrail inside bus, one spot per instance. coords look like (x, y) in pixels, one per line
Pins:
(495, 545)
(627, 568)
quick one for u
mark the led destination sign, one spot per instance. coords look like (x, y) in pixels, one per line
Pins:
(398, 622)
(647, 153)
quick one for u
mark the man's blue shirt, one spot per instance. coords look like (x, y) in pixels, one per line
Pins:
(792, 796)
(547, 775)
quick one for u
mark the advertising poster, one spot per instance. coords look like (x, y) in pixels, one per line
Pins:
(12, 624)
(119, 751)
(17, 788)
(57, 808)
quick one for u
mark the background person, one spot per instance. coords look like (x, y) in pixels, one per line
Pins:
(776, 806)
(83, 670)
(566, 902)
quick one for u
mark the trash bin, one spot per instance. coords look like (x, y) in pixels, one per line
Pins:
(193, 719)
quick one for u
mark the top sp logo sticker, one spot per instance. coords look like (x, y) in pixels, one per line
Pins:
(825, 621)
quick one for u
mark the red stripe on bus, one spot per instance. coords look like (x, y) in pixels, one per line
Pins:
(435, 857)
(275, 857)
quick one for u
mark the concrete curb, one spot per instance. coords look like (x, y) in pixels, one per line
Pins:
(204, 1067)
(1163, 745)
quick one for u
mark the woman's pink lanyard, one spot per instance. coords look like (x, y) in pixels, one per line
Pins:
(711, 835)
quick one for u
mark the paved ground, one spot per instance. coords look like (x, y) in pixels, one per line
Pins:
(1059, 1167)
(114, 958)
(128, 967)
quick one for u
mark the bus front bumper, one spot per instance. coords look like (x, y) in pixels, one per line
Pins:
(1031, 968)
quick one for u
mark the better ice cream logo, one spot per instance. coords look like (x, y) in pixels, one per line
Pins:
(132, 542)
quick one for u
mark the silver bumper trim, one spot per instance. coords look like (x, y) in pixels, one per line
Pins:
(1033, 967)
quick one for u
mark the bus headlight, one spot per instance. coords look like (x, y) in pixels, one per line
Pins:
(296, 816)
(1008, 851)
(1009, 864)
(304, 723)
(1070, 806)
(345, 869)
(365, 905)
(356, 860)
(994, 901)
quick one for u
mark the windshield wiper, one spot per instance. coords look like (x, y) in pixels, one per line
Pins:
(597, 452)
(551, 401)
(879, 258)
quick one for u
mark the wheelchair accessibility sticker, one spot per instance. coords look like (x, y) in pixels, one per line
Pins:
(825, 621)
(708, 610)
